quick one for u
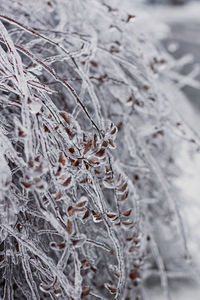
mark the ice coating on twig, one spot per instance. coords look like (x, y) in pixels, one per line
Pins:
(86, 148)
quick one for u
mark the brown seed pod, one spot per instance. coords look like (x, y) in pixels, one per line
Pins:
(26, 184)
(70, 211)
(46, 129)
(111, 143)
(100, 153)
(61, 159)
(58, 195)
(111, 215)
(86, 215)
(69, 132)
(114, 131)
(71, 150)
(111, 289)
(67, 181)
(58, 171)
(104, 144)
(85, 292)
(133, 275)
(93, 161)
(69, 227)
(95, 141)
(65, 116)
(81, 204)
(87, 147)
(127, 213)
(124, 196)
(123, 188)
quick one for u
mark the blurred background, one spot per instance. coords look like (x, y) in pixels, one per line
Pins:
(183, 19)
(182, 41)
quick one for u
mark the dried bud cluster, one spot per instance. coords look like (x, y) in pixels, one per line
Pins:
(85, 152)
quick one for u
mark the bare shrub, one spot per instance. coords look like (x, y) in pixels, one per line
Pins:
(87, 136)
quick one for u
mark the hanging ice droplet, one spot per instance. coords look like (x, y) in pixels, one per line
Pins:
(173, 47)
(45, 288)
(35, 106)
(57, 292)
(97, 217)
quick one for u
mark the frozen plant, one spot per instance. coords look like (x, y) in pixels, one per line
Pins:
(88, 133)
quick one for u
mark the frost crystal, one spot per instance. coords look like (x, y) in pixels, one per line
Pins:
(87, 139)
